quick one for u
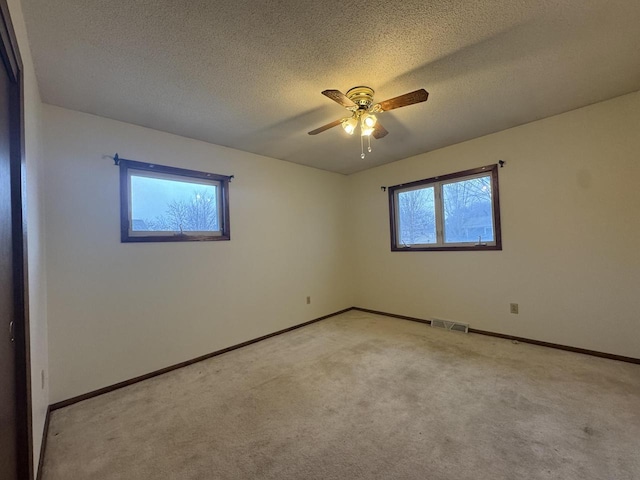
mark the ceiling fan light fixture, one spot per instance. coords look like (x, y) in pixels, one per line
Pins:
(365, 128)
(369, 120)
(349, 125)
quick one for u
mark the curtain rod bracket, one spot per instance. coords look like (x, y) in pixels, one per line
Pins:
(384, 189)
(501, 162)
(116, 159)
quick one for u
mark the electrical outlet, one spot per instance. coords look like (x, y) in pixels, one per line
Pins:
(42, 379)
(513, 307)
(308, 300)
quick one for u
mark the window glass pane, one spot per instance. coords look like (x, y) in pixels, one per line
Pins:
(416, 217)
(467, 211)
(163, 204)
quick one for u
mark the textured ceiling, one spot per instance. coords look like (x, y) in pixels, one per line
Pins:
(248, 74)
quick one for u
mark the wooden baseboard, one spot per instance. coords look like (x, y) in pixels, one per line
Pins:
(125, 383)
(43, 445)
(584, 351)
(110, 388)
(95, 393)
(386, 314)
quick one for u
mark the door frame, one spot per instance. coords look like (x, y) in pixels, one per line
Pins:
(13, 63)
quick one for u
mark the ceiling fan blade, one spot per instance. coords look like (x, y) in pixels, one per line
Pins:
(379, 131)
(339, 97)
(325, 127)
(404, 100)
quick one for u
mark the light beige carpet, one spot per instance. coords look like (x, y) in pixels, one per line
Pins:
(361, 396)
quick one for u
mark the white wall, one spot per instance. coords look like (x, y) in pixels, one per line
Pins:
(570, 233)
(35, 236)
(570, 203)
(118, 310)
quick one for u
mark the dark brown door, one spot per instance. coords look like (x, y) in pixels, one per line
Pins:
(8, 406)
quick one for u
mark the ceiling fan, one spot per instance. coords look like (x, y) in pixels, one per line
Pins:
(359, 101)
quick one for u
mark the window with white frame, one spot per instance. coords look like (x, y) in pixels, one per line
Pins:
(458, 211)
(169, 204)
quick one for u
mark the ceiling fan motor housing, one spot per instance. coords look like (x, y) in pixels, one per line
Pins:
(361, 96)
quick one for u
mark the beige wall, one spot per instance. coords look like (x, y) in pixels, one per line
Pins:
(570, 235)
(570, 203)
(119, 310)
(35, 228)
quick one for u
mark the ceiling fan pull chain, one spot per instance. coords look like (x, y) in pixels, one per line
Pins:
(361, 147)
(369, 140)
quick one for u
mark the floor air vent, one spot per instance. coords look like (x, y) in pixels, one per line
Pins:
(447, 325)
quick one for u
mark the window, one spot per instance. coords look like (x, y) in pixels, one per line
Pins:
(167, 204)
(459, 211)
